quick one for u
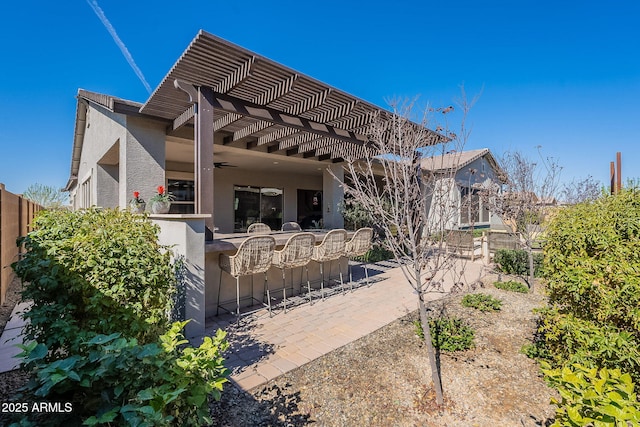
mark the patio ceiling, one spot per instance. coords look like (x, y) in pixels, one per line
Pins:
(179, 152)
(264, 106)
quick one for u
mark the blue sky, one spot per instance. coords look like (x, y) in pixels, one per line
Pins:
(563, 75)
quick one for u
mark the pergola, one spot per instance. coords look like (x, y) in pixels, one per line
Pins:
(257, 104)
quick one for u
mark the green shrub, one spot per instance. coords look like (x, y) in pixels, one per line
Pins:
(517, 262)
(448, 334)
(113, 379)
(375, 254)
(482, 302)
(534, 351)
(569, 339)
(593, 258)
(99, 330)
(354, 214)
(478, 232)
(513, 286)
(417, 324)
(589, 396)
(94, 272)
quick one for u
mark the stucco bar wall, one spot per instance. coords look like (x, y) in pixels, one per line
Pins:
(185, 235)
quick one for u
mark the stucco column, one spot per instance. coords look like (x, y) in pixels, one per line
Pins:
(333, 195)
(185, 235)
(203, 157)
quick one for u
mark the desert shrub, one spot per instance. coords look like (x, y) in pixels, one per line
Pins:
(513, 286)
(517, 262)
(451, 334)
(99, 332)
(591, 396)
(482, 302)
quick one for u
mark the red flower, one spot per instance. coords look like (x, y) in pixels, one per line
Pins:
(136, 198)
(160, 189)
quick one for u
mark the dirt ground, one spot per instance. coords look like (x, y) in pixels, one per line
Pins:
(384, 379)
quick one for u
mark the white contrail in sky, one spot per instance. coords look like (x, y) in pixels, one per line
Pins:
(120, 43)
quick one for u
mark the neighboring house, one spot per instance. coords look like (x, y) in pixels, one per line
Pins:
(456, 180)
(230, 133)
(528, 200)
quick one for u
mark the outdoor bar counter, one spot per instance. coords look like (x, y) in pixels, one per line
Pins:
(229, 243)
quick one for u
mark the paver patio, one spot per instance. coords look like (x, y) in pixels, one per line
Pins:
(263, 348)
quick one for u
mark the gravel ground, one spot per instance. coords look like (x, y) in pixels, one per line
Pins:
(384, 379)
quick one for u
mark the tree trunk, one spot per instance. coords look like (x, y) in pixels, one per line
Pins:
(435, 372)
(531, 271)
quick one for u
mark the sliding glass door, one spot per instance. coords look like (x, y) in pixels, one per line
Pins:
(257, 204)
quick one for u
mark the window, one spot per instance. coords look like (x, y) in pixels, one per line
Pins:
(472, 210)
(257, 204)
(184, 196)
(86, 198)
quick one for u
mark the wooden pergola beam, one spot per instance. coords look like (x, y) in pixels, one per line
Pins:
(235, 105)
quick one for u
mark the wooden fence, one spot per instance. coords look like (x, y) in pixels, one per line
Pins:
(16, 214)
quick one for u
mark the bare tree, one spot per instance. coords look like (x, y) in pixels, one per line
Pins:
(46, 196)
(412, 206)
(581, 190)
(522, 202)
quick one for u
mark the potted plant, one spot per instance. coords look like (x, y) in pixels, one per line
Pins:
(161, 202)
(137, 204)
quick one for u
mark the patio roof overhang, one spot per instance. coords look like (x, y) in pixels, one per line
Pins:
(255, 104)
(259, 104)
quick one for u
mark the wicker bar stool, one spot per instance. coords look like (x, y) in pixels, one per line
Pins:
(330, 249)
(291, 226)
(258, 228)
(359, 245)
(296, 252)
(253, 256)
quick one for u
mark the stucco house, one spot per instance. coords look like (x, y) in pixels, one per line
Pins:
(461, 176)
(230, 133)
(237, 138)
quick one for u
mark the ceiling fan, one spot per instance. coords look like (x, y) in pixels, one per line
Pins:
(220, 165)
